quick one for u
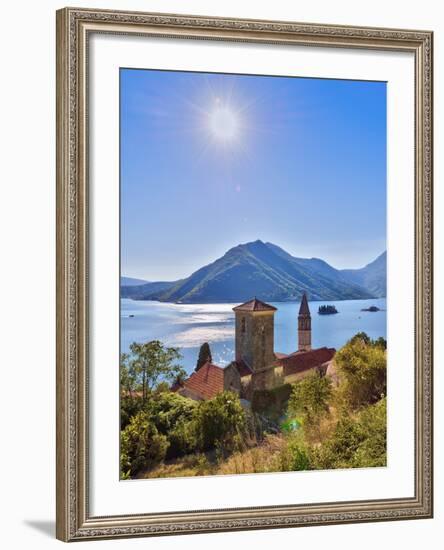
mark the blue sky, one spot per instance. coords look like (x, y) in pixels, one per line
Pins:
(209, 161)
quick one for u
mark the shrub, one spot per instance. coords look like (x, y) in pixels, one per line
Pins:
(295, 456)
(220, 422)
(338, 450)
(172, 414)
(168, 409)
(380, 342)
(373, 450)
(182, 439)
(310, 397)
(356, 442)
(141, 445)
(362, 370)
(129, 407)
(361, 337)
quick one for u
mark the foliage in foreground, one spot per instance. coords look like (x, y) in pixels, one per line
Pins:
(220, 422)
(310, 398)
(141, 445)
(355, 442)
(165, 434)
(168, 425)
(358, 442)
(343, 427)
(361, 365)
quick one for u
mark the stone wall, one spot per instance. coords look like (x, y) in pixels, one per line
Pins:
(232, 379)
(255, 338)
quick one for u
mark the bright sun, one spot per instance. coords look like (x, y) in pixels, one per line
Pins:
(224, 124)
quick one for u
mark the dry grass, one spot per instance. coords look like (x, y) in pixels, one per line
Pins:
(263, 458)
(267, 455)
(198, 464)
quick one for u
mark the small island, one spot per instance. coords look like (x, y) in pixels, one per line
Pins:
(327, 310)
(371, 308)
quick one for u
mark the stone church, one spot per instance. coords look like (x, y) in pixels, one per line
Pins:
(257, 365)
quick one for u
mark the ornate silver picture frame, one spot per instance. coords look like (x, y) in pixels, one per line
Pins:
(74, 211)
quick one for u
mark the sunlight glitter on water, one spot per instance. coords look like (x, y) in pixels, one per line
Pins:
(187, 326)
(193, 337)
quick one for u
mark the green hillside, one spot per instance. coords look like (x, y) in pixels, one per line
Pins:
(261, 269)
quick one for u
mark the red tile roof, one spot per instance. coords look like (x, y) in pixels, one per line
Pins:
(207, 382)
(301, 361)
(254, 305)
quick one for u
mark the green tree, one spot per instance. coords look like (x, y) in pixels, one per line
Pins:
(172, 415)
(130, 404)
(357, 442)
(151, 363)
(362, 337)
(373, 449)
(339, 449)
(129, 407)
(361, 366)
(141, 445)
(167, 409)
(381, 342)
(127, 377)
(204, 356)
(310, 398)
(220, 422)
(162, 387)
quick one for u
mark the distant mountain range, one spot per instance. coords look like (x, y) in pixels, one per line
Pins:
(267, 271)
(130, 281)
(373, 276)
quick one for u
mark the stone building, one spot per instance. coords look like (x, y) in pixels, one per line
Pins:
(257, 366)
(254, 334)
(304, 326)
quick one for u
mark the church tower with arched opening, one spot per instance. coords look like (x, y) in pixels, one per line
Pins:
(304, 325)
(254, 343)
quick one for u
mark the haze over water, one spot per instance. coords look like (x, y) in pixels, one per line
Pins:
(187, 326)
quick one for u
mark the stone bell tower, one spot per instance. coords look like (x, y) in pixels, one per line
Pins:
(255, 334)
(304, 325)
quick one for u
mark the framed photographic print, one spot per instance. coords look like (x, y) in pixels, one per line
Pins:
(244, 276)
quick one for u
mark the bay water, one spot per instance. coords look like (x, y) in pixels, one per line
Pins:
(187, 326)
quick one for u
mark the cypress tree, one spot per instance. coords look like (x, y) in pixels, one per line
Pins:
(204, 355)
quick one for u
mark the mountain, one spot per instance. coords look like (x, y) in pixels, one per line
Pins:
(256, 268)
(147, 291)
(372, 277)
(130, 281)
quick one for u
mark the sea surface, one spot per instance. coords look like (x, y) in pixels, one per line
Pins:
(187, 326)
